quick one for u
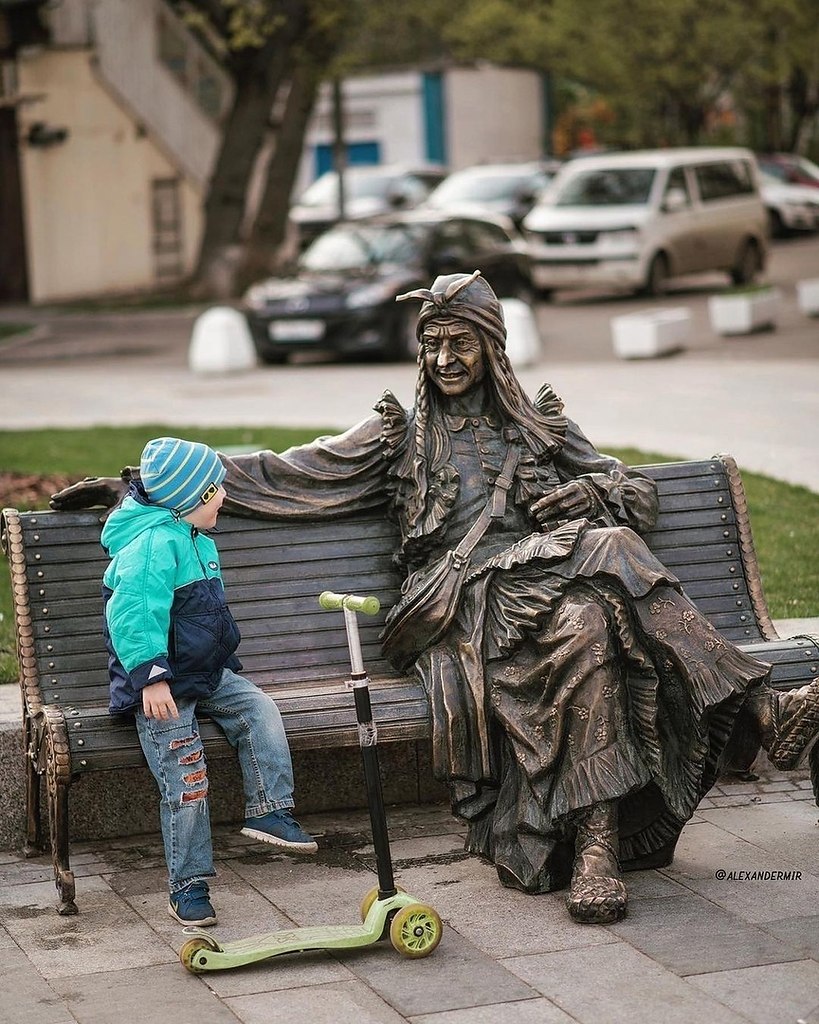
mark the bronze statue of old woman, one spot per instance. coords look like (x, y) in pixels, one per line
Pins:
(580, 703)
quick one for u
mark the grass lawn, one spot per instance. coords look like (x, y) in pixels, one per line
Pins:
(785, 519)
(11, 329)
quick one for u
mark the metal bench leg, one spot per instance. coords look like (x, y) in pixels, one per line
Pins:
(34, 832)
(58, 778)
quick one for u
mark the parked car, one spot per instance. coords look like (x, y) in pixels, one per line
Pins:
(508, 189)
(634, 220)
(790, 207)
(790, 168)
(368, 190)
(342, 297)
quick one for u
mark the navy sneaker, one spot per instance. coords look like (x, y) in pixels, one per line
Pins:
(192, 906)
(280, 829)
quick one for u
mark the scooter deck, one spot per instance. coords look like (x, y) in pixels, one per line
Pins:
(202, 952)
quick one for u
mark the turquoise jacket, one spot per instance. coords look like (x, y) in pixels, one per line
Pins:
(165, 611)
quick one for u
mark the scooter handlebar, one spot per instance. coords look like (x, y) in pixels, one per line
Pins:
(333, 602)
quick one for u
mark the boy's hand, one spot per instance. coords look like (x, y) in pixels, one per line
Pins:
(157, 701)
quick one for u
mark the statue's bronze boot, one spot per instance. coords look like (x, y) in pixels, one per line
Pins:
(788, 723)
(597, 894)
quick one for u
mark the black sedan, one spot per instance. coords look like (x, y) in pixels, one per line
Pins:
(342, 297)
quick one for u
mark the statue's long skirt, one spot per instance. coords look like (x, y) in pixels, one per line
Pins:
(576, 671)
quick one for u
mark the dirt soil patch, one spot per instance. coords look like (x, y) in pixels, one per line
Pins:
(29, 490)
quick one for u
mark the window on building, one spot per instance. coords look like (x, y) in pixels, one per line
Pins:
(166, 212)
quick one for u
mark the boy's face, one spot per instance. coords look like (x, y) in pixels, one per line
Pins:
(204, 517)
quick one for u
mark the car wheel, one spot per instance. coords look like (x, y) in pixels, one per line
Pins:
(272, 358)
(656, 282)
(404, 344)
(747, 264)
(525, 292)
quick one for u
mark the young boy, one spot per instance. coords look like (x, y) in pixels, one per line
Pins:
(171, 642)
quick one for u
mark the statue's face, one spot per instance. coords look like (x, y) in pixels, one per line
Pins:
(453, 356)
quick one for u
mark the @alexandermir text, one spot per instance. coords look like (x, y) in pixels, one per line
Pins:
(757, 876)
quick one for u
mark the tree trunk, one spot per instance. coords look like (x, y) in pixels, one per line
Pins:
(803, 93)
(258, 76)
(262, 253)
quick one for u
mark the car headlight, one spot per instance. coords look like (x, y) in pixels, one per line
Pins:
(369, 295)
(255, 298)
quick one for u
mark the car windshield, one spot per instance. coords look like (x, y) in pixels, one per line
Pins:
(612, 186)
(355, 248)
(324, 190)
(486, 187)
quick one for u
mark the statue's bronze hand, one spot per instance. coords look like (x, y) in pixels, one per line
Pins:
(568, 501)
(91, 492)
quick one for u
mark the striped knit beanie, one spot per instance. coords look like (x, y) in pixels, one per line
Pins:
(180, 475)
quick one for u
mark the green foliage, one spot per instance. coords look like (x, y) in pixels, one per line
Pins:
(785, 519)
(670, 71)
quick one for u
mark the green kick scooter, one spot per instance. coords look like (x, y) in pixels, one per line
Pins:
(414, 928)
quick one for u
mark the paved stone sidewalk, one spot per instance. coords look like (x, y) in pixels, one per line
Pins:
(728, 934)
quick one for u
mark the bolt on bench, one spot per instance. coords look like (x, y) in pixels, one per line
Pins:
(273, 572)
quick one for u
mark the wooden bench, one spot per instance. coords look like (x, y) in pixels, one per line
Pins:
(274, 572)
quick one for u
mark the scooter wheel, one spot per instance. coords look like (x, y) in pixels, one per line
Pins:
(416, 930)
(370, 898)
(189, 951)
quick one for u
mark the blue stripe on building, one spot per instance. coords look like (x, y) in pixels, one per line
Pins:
(434, 117)
(358, 154)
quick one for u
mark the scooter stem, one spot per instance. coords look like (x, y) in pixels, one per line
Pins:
(367, 731)
(353, 642)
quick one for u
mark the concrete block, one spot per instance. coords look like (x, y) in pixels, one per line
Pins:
(807, 293)
(651, 332)
(221, 342)
(744, 312)
(523, 344)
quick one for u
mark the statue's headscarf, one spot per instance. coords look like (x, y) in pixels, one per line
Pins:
(468, 297)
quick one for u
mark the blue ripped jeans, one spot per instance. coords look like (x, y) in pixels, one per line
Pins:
(252, 724)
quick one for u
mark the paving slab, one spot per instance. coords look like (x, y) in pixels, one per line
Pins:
(691, 935)
(348, 1002)
(164, 994)
(800, 932)
(505, 956)
(242, 912)
(107, 935)
(458, 975)
(500, 922)
(531, 1011)
(789, 830)
(25, 996)
(772, 994)
(619, 985)
(724, 868)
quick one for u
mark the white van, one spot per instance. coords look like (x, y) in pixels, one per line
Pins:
(633, 220)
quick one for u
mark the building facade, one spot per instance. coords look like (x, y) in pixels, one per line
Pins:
(117, 127)
(456, 116)
(110, 125)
